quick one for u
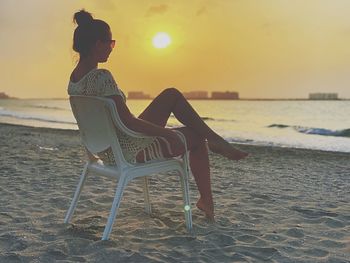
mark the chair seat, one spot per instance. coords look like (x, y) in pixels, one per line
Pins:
(144, 168)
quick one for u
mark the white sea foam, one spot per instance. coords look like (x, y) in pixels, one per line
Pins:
(46, 107)
(315, 131)
(18, 115)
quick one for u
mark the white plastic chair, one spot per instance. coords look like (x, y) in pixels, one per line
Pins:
(102, 131)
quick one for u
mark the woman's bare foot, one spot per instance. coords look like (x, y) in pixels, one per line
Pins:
(222, 147)
(207, 209)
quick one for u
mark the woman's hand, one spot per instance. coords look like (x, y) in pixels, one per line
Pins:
(176, 144)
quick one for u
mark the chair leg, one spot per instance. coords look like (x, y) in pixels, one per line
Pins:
(113, 213)
(186, 197)
(76, 195)
(148, 208)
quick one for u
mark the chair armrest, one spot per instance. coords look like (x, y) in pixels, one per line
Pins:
(118, 123)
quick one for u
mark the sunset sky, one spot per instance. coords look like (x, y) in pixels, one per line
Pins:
(260, 48)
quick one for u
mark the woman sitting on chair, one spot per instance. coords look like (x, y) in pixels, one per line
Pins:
(93, 41)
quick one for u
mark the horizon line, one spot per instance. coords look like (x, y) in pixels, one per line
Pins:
(65, 98)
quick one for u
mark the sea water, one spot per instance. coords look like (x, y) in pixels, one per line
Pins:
(322, 125)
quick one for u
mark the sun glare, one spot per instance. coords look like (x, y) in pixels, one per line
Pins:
(161, 40)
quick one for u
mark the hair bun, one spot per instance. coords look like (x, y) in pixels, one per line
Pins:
(82, 17)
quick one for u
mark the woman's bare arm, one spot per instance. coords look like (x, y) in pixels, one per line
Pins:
(145, 127)
(137, 124)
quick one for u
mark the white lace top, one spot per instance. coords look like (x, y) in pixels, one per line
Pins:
(100, 83)
(97, 82)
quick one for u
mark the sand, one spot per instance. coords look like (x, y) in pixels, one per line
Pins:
(279, 205)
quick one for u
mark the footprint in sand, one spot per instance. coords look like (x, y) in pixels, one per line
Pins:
(313, 213)
(316, 252)
(56, 254)
(246, 238)
(10, 257)
(331, 244)
(10, 242)
(221, 239)
(260, 253)
(275, 238)
(333, 223)
(295, 232)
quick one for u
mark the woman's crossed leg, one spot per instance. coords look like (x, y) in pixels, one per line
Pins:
(196, 133)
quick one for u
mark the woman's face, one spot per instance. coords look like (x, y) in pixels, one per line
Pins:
(104, 48)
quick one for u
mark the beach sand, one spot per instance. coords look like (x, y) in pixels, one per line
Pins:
(278, 205)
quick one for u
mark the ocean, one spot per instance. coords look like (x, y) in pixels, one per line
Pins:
(321, 125)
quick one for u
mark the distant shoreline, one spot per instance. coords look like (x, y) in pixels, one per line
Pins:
(255, 99)
(296, 99)
(242, 99)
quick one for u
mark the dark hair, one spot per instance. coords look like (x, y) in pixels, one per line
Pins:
(88, 31)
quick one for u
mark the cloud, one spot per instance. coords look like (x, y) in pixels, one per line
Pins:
(203, 10)
(156, 10)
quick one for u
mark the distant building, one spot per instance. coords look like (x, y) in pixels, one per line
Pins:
(196, 95)
(3, 95)
(227, 95)
(323, 96)
(138, 95)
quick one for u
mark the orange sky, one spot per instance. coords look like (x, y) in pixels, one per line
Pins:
(262, 49)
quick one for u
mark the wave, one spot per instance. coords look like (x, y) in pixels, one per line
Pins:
(278, 126)
(325, 132)
(207, 119)
(210, 119)
(16, 115)
(315, 131)
(46, 107)
(224, 120)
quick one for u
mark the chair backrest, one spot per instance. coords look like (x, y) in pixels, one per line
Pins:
(93, 116)
(104, 134)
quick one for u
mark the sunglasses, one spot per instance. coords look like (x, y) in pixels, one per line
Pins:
(111, 42)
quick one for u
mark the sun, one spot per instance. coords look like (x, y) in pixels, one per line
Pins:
(161, 40)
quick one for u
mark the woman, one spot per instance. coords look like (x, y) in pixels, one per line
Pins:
(93, 41)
